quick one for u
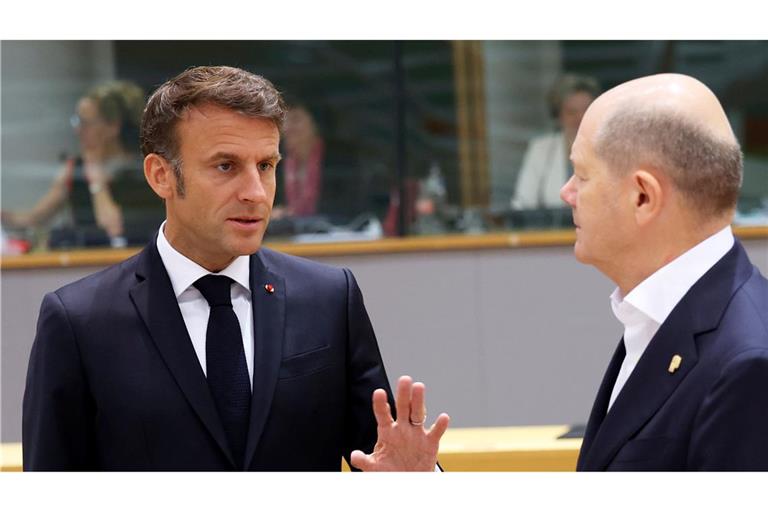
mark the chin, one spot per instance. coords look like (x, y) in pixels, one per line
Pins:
(247, 246)
(250, 248)
(581, 254)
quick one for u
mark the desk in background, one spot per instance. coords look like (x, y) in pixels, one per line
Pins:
(10, 457)
(464, 449)
(509, 449)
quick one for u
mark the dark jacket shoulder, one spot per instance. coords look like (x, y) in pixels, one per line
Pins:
(108, 280)
(295, 266)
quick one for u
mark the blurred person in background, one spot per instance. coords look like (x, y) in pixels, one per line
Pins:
(545, 164)
(103, 188)
(302, 165)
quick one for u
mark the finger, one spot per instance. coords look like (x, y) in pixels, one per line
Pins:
(381, 408)
(360, 460)
(403, 398)
(418, 409)
(438, 428)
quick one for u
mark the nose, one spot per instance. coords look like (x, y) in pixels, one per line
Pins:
(252, 187)
(568, 193)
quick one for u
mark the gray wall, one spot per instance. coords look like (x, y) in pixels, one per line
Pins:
(501, 337)
(41, 84)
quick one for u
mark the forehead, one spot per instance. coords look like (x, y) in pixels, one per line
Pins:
(583, 143)
(597, 113)
(578, 98)
(87, 107)
(205, 126)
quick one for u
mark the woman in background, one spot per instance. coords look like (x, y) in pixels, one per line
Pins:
(107, 173)
(546, 164)
(302, 164)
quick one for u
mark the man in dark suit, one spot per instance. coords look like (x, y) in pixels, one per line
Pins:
(206, 351)
(657, 172)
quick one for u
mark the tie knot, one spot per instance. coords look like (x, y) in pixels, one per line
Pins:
(215, 289)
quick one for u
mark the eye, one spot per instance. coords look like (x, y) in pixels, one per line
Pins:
(266, 166)
(225, 166)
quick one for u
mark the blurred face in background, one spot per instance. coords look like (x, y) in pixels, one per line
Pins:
(299, 131)
(95, 132)
(571, 111)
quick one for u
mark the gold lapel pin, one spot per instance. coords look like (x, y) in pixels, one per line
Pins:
(269, 288)
(675, 363)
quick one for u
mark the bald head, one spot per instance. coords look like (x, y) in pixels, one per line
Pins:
(675, 125)
(674, 95)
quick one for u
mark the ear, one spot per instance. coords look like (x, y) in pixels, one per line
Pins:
(159, 175)
(648, 196)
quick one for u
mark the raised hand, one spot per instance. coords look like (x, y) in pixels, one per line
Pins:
(403, 445)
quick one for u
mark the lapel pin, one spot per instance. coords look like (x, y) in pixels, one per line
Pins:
(269, 288)
(675, 363)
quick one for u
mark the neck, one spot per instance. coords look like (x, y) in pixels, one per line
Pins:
(212, 263)
(657, 250)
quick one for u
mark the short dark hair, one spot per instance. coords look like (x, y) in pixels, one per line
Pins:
(705, 168)
(225, 86)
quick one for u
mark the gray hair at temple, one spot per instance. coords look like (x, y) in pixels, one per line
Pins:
(228, 87)
(706, 169)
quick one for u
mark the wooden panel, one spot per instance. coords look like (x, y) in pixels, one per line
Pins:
(458, 242)
(469, 79)
(464, 449)
(508, 449)
(10, 457)
(534, 448)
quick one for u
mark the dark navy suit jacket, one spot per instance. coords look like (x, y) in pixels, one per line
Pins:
(710, 414)
(114, 383)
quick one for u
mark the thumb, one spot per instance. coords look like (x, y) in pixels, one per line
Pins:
(360, 460)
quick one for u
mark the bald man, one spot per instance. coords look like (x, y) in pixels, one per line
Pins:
(657, 172)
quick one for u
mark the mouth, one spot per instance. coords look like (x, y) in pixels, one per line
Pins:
(246, 222)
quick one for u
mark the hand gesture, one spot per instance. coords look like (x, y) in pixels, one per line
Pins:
(403, 445)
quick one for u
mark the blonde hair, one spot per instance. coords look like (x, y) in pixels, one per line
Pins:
(121, 101)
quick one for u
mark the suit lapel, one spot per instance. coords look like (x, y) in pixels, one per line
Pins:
(269, 329)
(600, 407)
(647, 388)
(156, 303)
(650, 384)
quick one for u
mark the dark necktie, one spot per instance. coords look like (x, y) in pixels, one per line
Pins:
(227, 371)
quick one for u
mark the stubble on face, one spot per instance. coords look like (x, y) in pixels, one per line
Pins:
(229, 189)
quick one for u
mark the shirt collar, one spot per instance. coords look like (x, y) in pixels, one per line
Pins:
(627, 313)
(658, 294)
(183, 272)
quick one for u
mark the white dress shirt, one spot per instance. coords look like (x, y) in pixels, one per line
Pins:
(649, 304)
(195, 309)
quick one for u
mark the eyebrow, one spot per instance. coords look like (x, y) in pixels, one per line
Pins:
(223, 155)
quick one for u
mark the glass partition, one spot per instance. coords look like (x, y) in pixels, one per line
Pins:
(384, 138)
